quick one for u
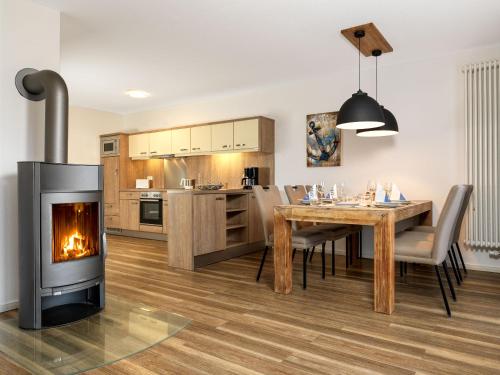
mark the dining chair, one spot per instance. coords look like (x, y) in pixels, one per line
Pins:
(455, 247)
(297, 192)
(303, 240)
(415, 247)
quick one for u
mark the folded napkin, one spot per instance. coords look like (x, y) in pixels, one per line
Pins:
(381, 195)
(396, 194)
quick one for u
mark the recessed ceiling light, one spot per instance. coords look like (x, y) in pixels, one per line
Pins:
(138, 94)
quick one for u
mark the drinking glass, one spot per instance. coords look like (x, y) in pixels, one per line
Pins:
(388, 188)
(371, 186)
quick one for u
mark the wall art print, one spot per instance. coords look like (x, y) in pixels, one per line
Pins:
(323, 140)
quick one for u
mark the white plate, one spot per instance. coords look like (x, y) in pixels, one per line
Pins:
(387, 204)
(400, 202)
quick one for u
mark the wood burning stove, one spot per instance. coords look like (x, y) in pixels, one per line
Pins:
(62, 245)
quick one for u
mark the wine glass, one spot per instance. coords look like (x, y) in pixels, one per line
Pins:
(371, 186)
(388, 188)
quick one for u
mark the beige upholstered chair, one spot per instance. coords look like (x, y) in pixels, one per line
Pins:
(297, 192)
(269, 198)
(415, 247)
(455, 248)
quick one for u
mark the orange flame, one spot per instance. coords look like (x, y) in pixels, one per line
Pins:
(75, 246)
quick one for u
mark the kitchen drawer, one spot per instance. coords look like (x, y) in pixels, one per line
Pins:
(129, 195)
(151, 228)
(111, 209)
(111, 221)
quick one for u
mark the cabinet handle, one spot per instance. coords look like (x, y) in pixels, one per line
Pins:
(238, 145)
(243, 144)
(135, 202)
(153, 152)
(143, 153)
(224, 146)
(195, 148)
(220, 199)
(184, 149)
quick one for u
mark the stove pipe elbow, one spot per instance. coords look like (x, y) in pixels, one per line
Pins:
(46, 84)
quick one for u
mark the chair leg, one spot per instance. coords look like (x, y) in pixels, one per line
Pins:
(293, 254)
(262, 263)
(406, 267)
(453, 266)
(351, 249)
(445, 300)
(450, 284)
(347, 250)
(401, 272)
(460, 255)
(333, 258)
(305, 253)
(360, 245)
(453, 259)
(312, 253)
(323, 260)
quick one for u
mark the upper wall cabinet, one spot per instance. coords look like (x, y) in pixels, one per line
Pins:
(222, 136)
(181, 141)
(246, 134)
(201, 139)
(160, 143)
(138, 145)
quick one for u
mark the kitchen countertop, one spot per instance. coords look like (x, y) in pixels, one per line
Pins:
(221, 191)
(152, 189)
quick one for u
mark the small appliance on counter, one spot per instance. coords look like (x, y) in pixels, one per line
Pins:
(187, 183)
(250, 177)
(143, 183)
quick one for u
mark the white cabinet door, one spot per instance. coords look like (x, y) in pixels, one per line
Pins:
(138, 145)
(246, 134)
(181, 141)
(222, 136)
(201, 139)
(160, 143)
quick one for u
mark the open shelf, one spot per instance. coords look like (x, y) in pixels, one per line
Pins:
(235, 226)
(235, 209)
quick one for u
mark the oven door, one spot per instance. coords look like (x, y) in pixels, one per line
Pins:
(72, 243)
(151, 212)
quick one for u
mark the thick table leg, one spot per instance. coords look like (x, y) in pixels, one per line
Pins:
(282, 254)
(384, 278)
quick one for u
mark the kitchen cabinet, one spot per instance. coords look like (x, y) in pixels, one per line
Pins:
(129, 214)
(255, 229)
(139, 145)
(246, 134)
(222, 136)
(181, 141)
(201, 139)
(209, 223)
(160, 143)
(111, 169)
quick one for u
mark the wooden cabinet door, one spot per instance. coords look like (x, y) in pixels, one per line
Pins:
(165, 216)
(129, 214)
(201, 139)
(222, 136)
(138, 145)
(246, 134)
(160, 143)
(209, 223)
(255, 229)
(181, 141)
(111, 172)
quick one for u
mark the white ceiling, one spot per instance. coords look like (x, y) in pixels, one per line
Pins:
(183, 49)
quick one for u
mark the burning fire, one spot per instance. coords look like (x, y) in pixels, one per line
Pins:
(75, 246)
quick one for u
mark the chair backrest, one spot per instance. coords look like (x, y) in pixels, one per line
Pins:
(463, 210)
(447, 222)
(294, 194)
(267, 199)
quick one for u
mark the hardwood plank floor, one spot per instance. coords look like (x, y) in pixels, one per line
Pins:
(243, 327)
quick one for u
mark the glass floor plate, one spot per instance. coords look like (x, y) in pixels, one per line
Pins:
(123, 328)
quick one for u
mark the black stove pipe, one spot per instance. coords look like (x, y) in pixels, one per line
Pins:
(46, 84)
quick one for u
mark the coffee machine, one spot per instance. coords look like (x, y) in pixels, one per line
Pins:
(250, 177)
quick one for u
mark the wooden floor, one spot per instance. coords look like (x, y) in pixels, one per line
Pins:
(241, 327)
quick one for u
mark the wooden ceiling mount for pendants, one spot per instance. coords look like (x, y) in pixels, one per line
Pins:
(372, 39)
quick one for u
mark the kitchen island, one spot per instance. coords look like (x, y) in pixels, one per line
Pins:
(208, 226)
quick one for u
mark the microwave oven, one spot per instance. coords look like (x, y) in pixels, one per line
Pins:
(110, 146)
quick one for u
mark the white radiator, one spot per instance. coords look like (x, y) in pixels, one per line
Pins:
(482, 102)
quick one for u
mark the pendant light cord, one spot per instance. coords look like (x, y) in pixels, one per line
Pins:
(359, 64)
(376, 78)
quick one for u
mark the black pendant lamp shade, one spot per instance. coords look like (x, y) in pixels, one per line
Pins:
(360, 111)
(390, 127)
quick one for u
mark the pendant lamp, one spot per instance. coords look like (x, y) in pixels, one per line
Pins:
(391, 125)
(360, 111)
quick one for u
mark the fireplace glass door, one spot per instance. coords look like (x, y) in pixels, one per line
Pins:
(75, 231)
(71, 233)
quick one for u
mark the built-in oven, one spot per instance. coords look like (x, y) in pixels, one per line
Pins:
(110, 146)
(151, 208)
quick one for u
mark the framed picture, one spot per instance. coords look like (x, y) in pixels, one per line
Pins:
(324, 140)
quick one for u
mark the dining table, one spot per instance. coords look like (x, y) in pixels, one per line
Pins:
(382, 219)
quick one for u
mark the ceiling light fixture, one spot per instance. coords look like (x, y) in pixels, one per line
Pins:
(138, 94)
(391, 125)
(360, 111)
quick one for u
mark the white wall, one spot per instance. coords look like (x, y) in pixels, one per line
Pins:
(425, 159)
(29, 37)
(85, 126)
